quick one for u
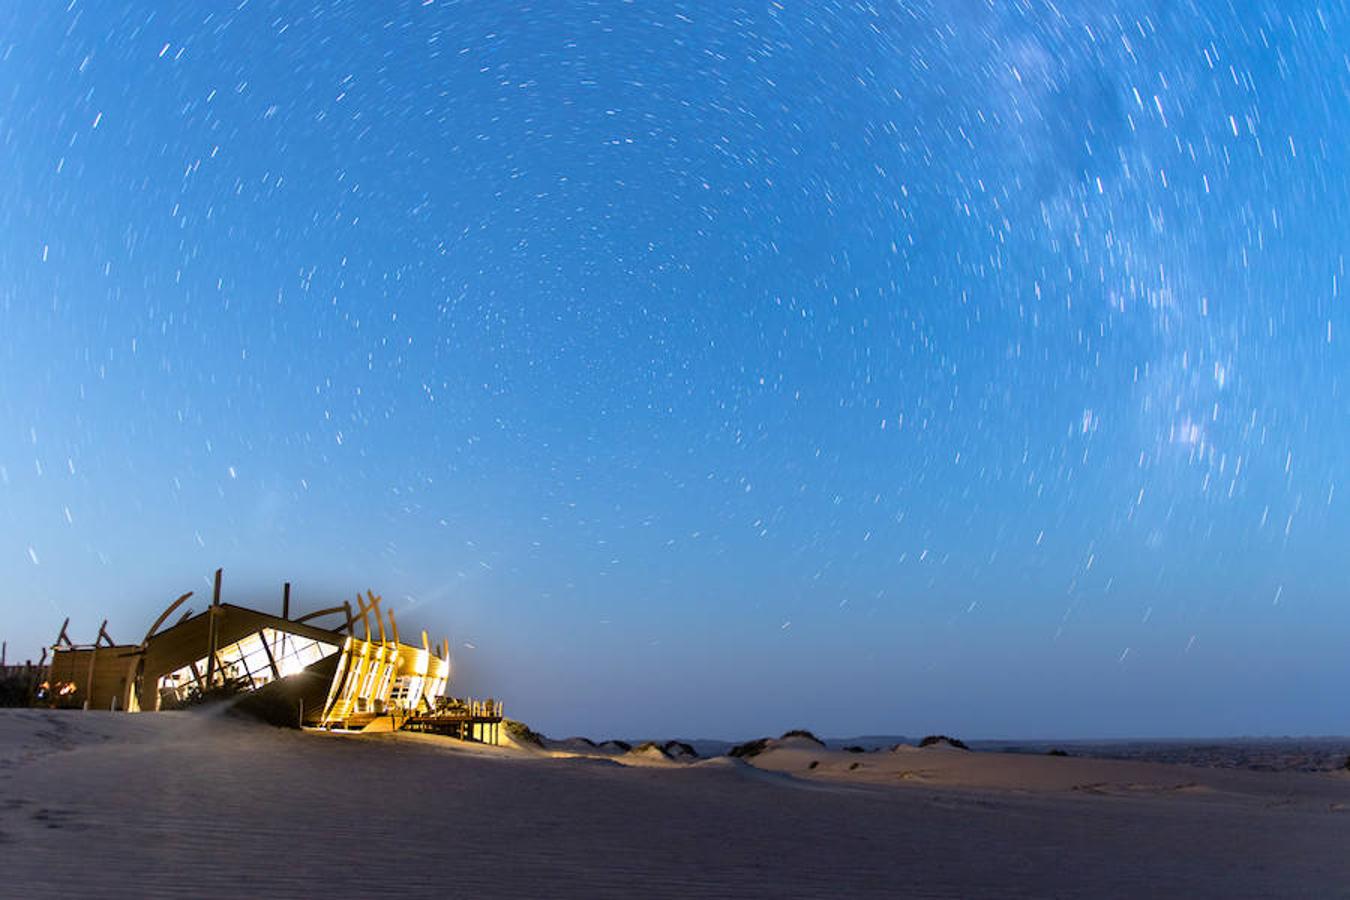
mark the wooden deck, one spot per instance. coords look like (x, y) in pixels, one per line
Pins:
(467, 720)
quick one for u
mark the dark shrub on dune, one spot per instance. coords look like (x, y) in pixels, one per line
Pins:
(854, 748)
(522, 733)
(749, 749)
(934, 739)
(756, 747)
(669, 750)
(678, 749)
(1347, 763)
(1056, 752)
(17, 690)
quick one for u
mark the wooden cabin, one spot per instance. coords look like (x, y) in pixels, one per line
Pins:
(352, 673)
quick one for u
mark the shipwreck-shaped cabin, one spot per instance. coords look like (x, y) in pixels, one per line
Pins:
(351, 673)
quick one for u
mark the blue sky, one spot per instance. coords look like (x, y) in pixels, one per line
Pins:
(699, 368)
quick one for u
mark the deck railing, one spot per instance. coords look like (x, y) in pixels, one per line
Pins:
(459, 707)
(464, 718)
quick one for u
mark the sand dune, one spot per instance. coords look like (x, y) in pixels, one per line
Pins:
(201, 804)
(942, 766)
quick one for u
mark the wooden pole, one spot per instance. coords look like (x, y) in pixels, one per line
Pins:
(89, 682)
(286, 601)
(212, 634)
(276, 673)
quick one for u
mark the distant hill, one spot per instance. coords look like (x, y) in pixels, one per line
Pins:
(870, 741)
(710, 747)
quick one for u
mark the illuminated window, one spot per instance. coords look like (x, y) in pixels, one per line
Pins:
(248, 663)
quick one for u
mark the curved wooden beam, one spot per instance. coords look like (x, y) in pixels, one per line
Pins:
(393, 626)
(379, 619)
(165, 615)
(322, 612)
(364, 612)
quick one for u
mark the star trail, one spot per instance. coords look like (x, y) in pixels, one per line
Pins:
(972, 366)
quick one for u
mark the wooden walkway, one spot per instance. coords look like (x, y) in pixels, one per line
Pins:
(467, 720)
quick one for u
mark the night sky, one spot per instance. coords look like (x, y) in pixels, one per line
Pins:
(700, 368)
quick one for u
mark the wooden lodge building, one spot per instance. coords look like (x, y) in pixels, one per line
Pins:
(342, 665)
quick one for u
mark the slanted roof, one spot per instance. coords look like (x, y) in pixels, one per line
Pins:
(245, 621)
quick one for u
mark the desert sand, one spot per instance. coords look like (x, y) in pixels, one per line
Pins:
(205, 804)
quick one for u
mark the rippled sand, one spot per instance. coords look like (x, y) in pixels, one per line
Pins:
(201, 804)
